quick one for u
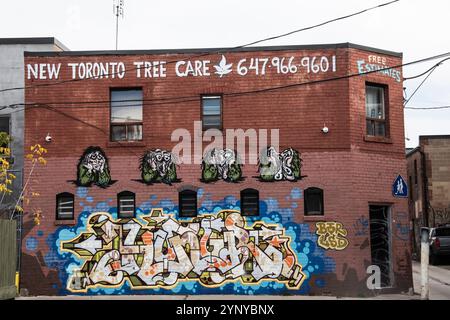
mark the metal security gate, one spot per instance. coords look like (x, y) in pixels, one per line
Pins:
(380, 242)
(8, 256)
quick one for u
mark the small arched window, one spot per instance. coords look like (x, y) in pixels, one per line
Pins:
(65, 206)
(249, 202)
(126, 205)
(187, 201)
(314, 202)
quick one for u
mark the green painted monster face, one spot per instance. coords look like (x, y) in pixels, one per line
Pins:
(93, 168)
(274, 166)
(158, 166)
(221, 164)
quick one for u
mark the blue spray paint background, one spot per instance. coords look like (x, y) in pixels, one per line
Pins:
(303, 242)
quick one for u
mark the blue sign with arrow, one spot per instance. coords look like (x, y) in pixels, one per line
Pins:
(400, 188)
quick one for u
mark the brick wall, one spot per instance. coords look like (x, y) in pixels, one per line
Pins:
(437, 157)
(353, 171)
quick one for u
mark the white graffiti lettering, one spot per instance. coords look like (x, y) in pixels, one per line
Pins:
(210, 249)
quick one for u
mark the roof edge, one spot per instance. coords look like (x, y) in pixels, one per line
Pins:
(411, 152)
(436, 136)
(32, 40)
(346, 45)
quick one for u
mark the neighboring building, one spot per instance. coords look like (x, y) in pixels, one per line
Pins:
(429, 181)
(121, 214)
(12, 119)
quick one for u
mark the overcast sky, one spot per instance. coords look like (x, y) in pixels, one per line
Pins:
(418, 28)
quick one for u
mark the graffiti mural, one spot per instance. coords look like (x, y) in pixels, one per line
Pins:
(274, 166)
(211, 249)
(401, 226)
(93, 168)
(332, 235)
(158, 166)
(221, 164)
(361, 226)
(379, 64)
(60, 268)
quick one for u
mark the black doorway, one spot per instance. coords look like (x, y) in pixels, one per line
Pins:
(380, 242)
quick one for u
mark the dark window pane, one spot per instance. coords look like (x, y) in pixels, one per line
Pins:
(370, 128)
(126, 204)
(65, 206)
(380, 129)
(314, 201)
(212, 122)
(249, 202)
(416, 176)
(4, 124)
(188, 203)
(442, 232)
(118, 133)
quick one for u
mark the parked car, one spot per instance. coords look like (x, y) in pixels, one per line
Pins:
(439, 238)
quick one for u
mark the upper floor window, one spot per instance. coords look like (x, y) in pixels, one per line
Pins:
(187, 203)
(212, 112)
(126, 115)
(126, 204)
(65, 206)
(314, 202)
(249, 202)
(376, 110)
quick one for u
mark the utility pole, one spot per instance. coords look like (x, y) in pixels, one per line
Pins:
(118, 11)
(424, 261)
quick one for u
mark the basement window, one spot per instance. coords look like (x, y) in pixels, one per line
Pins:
(376, 110)
(126, 115)
(65, 206)
(314, 202)
(249, 202)
(212, 112)
(187, 201)
(126, 205)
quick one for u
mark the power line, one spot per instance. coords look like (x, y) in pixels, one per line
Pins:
(171, 100)
(428, 108)
(420, 85)
(424, 73)
(430, 72)
(211, 52)
(320, 24)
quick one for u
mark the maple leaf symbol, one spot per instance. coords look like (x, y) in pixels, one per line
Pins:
(223, 68)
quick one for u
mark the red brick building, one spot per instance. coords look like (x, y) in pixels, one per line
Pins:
(121, 214)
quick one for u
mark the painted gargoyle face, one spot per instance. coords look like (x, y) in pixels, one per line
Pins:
(95, 162)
